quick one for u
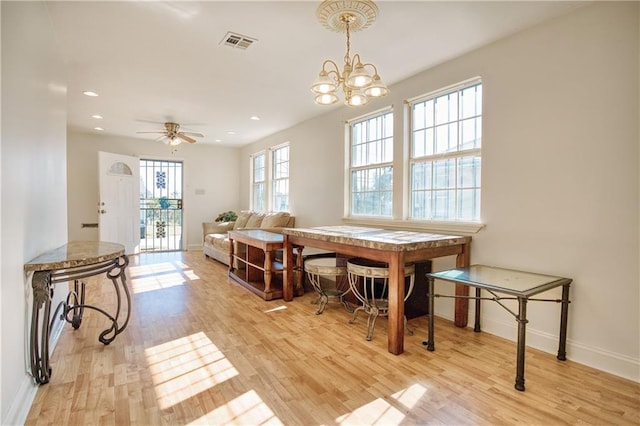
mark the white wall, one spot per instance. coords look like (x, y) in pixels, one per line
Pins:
(34, 182)
(560, 173)
(212, 169)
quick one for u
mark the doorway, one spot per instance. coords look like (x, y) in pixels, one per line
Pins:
(160, 205)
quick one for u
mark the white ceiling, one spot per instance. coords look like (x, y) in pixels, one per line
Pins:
(153, 61)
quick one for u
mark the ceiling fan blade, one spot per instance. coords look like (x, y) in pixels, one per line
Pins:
(153, 132)
(198, 135)
(186, 138)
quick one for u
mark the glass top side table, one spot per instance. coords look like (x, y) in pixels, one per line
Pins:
(505, 284)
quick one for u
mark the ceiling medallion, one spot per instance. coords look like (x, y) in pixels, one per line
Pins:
(362, 13)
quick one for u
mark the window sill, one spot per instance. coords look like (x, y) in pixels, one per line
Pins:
(416, 225)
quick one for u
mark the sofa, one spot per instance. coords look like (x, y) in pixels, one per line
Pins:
(215, 234)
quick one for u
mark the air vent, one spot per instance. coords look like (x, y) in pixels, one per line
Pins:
(237, 41)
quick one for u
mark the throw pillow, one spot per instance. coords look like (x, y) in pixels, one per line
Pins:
(255, 220)
(275, 220)
(243, 218)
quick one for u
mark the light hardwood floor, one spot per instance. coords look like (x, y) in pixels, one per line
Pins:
(202, 350)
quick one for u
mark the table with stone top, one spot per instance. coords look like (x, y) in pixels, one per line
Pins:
(394, 247)
(73, 262)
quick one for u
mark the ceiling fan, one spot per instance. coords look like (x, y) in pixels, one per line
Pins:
(174, 136)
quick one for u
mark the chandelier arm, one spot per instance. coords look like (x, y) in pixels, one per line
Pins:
(375, 69)
(335, 70)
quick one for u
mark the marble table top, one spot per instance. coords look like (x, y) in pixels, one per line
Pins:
(258, 234)
(75, 254)
(379, 239)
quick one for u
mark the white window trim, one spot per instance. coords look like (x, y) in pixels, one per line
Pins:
(271, 167)
(401, 219)
(268, 175)
(441, 225)
(416, 225)
(251, 173)
(347, 173)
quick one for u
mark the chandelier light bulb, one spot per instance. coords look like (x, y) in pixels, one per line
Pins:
(359, 78)
(323, 84)
(377, 88)
(357, 98)
(326, 99)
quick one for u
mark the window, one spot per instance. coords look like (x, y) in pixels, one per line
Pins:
(446, 140)
(371, 165)
(280, 179)
(258, 181)
(270, 179)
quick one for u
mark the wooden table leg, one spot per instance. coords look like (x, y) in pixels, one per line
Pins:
(287, 279)
(267, 271)
(395, 328)
(462, 304)
(299, 272)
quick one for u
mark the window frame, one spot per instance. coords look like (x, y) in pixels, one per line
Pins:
(402, 160)
(384, 163)
(254, 183)
(269, 182)
(456, 155)
(276, 180)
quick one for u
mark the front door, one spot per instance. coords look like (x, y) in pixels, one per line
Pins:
(160, 205)
(119, 212)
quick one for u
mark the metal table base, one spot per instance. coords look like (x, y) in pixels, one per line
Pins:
(517, 285)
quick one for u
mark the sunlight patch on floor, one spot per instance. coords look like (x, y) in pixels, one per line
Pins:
(377, 412)
(277, 308)
(157, 276)
(183, 368)
(157, 282)
(151, 268)
(191, 275)
(247, 409)
(410, 396)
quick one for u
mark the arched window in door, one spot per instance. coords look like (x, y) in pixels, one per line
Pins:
(120, 169)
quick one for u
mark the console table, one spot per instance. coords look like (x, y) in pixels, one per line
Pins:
(515, 285)
(392, 247)
(73, 262)
(256, 267)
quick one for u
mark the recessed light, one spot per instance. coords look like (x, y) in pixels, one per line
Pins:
(97, 116)
(89, 93)
(255, 118)
(231, 132)
(218, 140)
(98, 128)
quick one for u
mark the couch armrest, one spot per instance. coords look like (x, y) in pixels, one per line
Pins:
(216, 227)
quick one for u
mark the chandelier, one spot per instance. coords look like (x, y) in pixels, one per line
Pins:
(360, 81)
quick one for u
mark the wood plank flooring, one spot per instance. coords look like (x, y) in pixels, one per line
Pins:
(200, 349)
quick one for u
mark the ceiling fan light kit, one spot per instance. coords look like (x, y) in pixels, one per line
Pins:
(174, 137)
(360, 81)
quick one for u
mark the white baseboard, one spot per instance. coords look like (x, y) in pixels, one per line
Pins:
(600, 359)
(24, 397)
(22, 401)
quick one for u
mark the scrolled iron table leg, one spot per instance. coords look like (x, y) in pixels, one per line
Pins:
(75, 305)
(115, 274)
(39, 344)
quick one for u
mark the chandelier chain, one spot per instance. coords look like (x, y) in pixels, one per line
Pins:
(347, 56)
